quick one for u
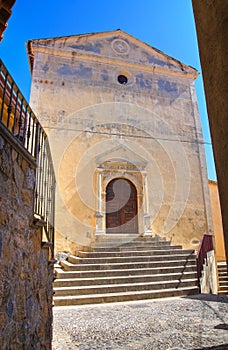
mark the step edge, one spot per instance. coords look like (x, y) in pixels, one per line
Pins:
(86, 296)
(124, 285)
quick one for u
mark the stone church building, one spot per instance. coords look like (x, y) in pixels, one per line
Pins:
(126, 140)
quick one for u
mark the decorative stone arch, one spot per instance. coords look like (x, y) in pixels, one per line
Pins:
(124, 175)
(108, 171)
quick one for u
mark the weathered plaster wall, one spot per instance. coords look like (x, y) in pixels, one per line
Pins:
(84, 109)
(208, 281)
(217, 221)
(25, 277)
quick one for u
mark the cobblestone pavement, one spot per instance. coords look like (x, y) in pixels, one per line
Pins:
(199, 322)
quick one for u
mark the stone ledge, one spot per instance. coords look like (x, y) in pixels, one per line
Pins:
(17, 145)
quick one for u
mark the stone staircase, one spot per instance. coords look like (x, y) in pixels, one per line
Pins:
(222, 278)
(144, 268)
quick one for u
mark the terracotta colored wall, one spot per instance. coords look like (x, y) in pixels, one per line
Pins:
(217, 221)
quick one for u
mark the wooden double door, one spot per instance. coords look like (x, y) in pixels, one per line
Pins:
(121, 207)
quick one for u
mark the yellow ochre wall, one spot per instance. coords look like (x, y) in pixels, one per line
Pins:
(217, 221)
(147, 131)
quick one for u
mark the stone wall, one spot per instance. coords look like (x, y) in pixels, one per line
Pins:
(25, 276)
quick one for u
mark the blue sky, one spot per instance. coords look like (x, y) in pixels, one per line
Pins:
(165, 24)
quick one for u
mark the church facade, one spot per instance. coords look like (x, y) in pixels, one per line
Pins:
(125, 137)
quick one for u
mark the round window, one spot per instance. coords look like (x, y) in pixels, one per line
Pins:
(122, 79)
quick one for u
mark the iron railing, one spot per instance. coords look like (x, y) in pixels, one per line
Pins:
(18, 118)
(206, 245)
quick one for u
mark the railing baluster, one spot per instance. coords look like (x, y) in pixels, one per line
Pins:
(25, 123)
(28, 132)
(15, 113)
(37, 140)
(20, 120)
(3, 96)
(33, 138)
(10, 105)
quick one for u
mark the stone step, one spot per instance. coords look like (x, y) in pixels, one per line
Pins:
(222, 278)
(123, 296)
(119, 240)
(133, 259)
(130, 244)
(63, 274)
(223, 288)
(143, 264)
(134, 248)
(150, 239)
(119, 288)
(223, 270)
(222, 267)
(131, 252)
(222, 273)
(115, 270)
(222, 263)
(124, 238)
(225, 292)
(70, 282)
(223, 285)
(146, 243)
(223, 281)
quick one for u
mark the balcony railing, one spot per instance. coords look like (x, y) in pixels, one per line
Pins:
(17, 117)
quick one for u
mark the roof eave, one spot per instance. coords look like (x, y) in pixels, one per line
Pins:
(30, 55)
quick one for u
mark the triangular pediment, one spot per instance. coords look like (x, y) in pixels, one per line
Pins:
(114, 45)
(121, 154)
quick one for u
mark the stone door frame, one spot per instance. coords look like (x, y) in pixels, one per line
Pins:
(138, 177)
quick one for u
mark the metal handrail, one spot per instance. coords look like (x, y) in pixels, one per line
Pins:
(18, 118)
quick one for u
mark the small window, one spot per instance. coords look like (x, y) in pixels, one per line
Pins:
(122, 79)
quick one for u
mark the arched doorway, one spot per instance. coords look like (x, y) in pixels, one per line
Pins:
(121, 207)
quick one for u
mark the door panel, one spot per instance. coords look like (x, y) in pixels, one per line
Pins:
(121, 207)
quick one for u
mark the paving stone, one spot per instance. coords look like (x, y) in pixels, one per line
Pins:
(188, 323)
